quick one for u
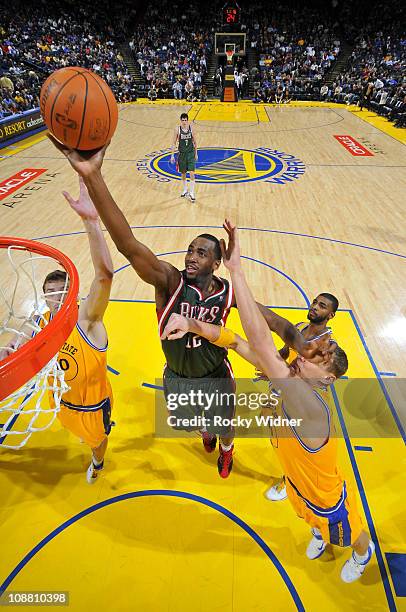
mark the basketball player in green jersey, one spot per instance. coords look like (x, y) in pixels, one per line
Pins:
(192, 362)
(184, 141)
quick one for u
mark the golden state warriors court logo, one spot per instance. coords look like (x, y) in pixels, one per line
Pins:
(218, 165)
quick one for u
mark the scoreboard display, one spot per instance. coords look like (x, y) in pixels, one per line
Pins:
(231, 13)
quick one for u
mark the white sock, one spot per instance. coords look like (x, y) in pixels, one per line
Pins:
(226, 448)
(184, 183)
(316, 532)
(96, 463)
(192, 188)
(361, 558)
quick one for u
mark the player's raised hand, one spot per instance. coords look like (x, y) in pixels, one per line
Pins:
(84, 162)
(176, 327)
(5, 351)
(320, 347)
(259, 375)
(231, 252)
(84, 206)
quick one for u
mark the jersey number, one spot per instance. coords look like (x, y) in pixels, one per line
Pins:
(64, 364)
(193, 341)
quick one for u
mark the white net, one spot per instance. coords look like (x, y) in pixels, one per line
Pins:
(24, 311)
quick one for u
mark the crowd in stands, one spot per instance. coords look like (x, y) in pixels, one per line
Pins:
(171, 44)
(296, 46)
(172, 47)
(35, 41)
(19, 86)
(375, 76)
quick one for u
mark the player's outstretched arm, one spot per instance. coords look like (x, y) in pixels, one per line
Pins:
(298, 395)
(19, 338)
(93, 308)
(194, 141)
(253, 322)
(178, 326)
(148, 267)
(291, 336)
(174, 144)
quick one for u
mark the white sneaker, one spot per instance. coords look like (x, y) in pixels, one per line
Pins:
(316, 547)
(93, 472)
(353, 569)
(192, 197)
(278, 491)
(184, 193)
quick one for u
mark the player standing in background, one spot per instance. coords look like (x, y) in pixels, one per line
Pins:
(184, 141)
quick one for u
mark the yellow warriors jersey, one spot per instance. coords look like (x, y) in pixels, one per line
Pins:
(313, 473)
(301, 327)
(314, 484)
(85, 369)
(292, 353)
(321, 462)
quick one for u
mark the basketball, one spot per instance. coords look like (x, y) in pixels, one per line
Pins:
(78, 108)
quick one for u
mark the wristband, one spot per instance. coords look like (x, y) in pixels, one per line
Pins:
(226, 337)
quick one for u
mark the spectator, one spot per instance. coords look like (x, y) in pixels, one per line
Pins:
(323, 93)
(177, 90)
(367, 95)
(203, 94)
(152, 93)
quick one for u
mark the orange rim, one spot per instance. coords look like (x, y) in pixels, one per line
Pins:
(22, 365)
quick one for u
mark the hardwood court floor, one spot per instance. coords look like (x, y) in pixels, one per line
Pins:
(315, 218)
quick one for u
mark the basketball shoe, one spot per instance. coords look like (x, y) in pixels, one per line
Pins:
(278, 491)
(316, 546)
(93, 471)
(225, 461)
(356, 564)
(209, 441)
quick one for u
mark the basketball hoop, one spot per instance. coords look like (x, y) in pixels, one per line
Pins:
(230, 54)
(32, 367)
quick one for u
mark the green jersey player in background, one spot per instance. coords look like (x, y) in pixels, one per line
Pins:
(184, 141)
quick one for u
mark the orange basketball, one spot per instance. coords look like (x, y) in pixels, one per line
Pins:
(79, 108)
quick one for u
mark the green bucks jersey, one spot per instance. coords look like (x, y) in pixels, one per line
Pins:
(185, 142)
(193, 356)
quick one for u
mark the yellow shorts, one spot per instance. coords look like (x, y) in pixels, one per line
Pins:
(92, 427)
(340, 525)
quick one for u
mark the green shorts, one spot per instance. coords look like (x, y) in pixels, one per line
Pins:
(216, 402)
(186, 162)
